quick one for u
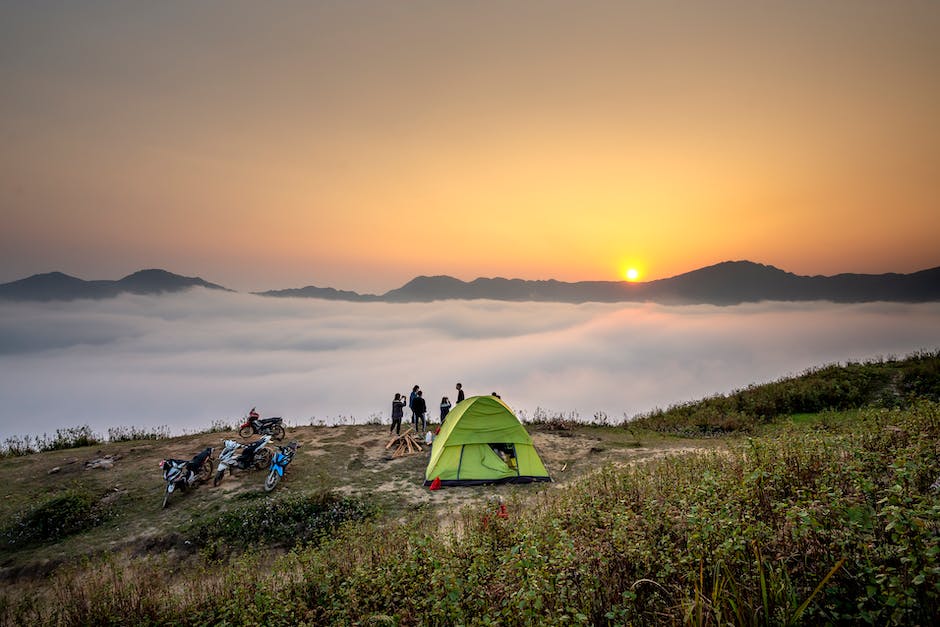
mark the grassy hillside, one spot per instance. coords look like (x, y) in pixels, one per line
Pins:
(56, 509)
(886, 383)
(826, 516)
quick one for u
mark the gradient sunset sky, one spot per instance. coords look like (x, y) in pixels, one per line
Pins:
(358, 144)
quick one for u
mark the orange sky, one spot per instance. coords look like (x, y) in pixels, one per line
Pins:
(356, 145)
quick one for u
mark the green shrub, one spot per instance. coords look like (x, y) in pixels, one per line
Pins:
(73, 437)
(921, 379)
(280, 520)
(57, 517)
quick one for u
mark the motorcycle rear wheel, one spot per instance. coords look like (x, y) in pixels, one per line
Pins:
(271, 482)
(277, 432)
(262, 459)
(218, 478)
(245, 431)
(205, 472)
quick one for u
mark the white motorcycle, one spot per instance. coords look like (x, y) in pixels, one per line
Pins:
(242, 456)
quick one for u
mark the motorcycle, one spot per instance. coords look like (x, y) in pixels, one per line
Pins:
(256, 425)
(282, 457)
(242, 456)
(181, 473)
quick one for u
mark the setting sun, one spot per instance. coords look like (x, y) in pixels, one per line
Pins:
(632, 274)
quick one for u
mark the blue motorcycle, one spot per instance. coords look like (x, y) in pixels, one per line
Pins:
(282, 457)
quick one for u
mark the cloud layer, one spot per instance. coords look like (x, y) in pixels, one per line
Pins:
(187, 360)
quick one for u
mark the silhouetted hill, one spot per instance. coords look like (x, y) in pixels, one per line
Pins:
(154, 281)
(59, 286)
(726, 283)
(733, 282)
(423, 289)
(49, 286)
(326, 293)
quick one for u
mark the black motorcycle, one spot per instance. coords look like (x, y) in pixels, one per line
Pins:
(255, 425)
(181, 473)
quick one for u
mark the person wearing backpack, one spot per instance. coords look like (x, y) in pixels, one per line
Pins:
(411, 404)
(445, 409)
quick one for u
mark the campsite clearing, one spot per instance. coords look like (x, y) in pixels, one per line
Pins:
(350, 459)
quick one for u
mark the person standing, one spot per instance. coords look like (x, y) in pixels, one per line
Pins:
(411, 403)
(398, 411)
(419, 410)
(445, 409)
(459, 392)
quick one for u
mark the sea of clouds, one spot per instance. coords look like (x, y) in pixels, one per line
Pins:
(189, 359)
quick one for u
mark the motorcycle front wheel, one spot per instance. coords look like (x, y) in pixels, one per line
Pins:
(271, 482)
(166, 497)
(218, 478)
(277, 432)
(245, 431)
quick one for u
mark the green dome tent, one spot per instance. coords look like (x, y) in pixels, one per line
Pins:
(482, 441)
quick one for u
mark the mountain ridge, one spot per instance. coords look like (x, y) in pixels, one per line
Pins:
(724, 283)
(57, 285)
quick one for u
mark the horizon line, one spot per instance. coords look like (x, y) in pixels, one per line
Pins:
(479, 277)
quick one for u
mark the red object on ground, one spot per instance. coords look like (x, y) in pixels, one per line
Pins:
(502, 511)
(436, 484)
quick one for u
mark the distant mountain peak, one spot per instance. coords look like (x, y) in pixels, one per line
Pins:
(150, 273)
(740, 265)
(159, 280)
(55, 275)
